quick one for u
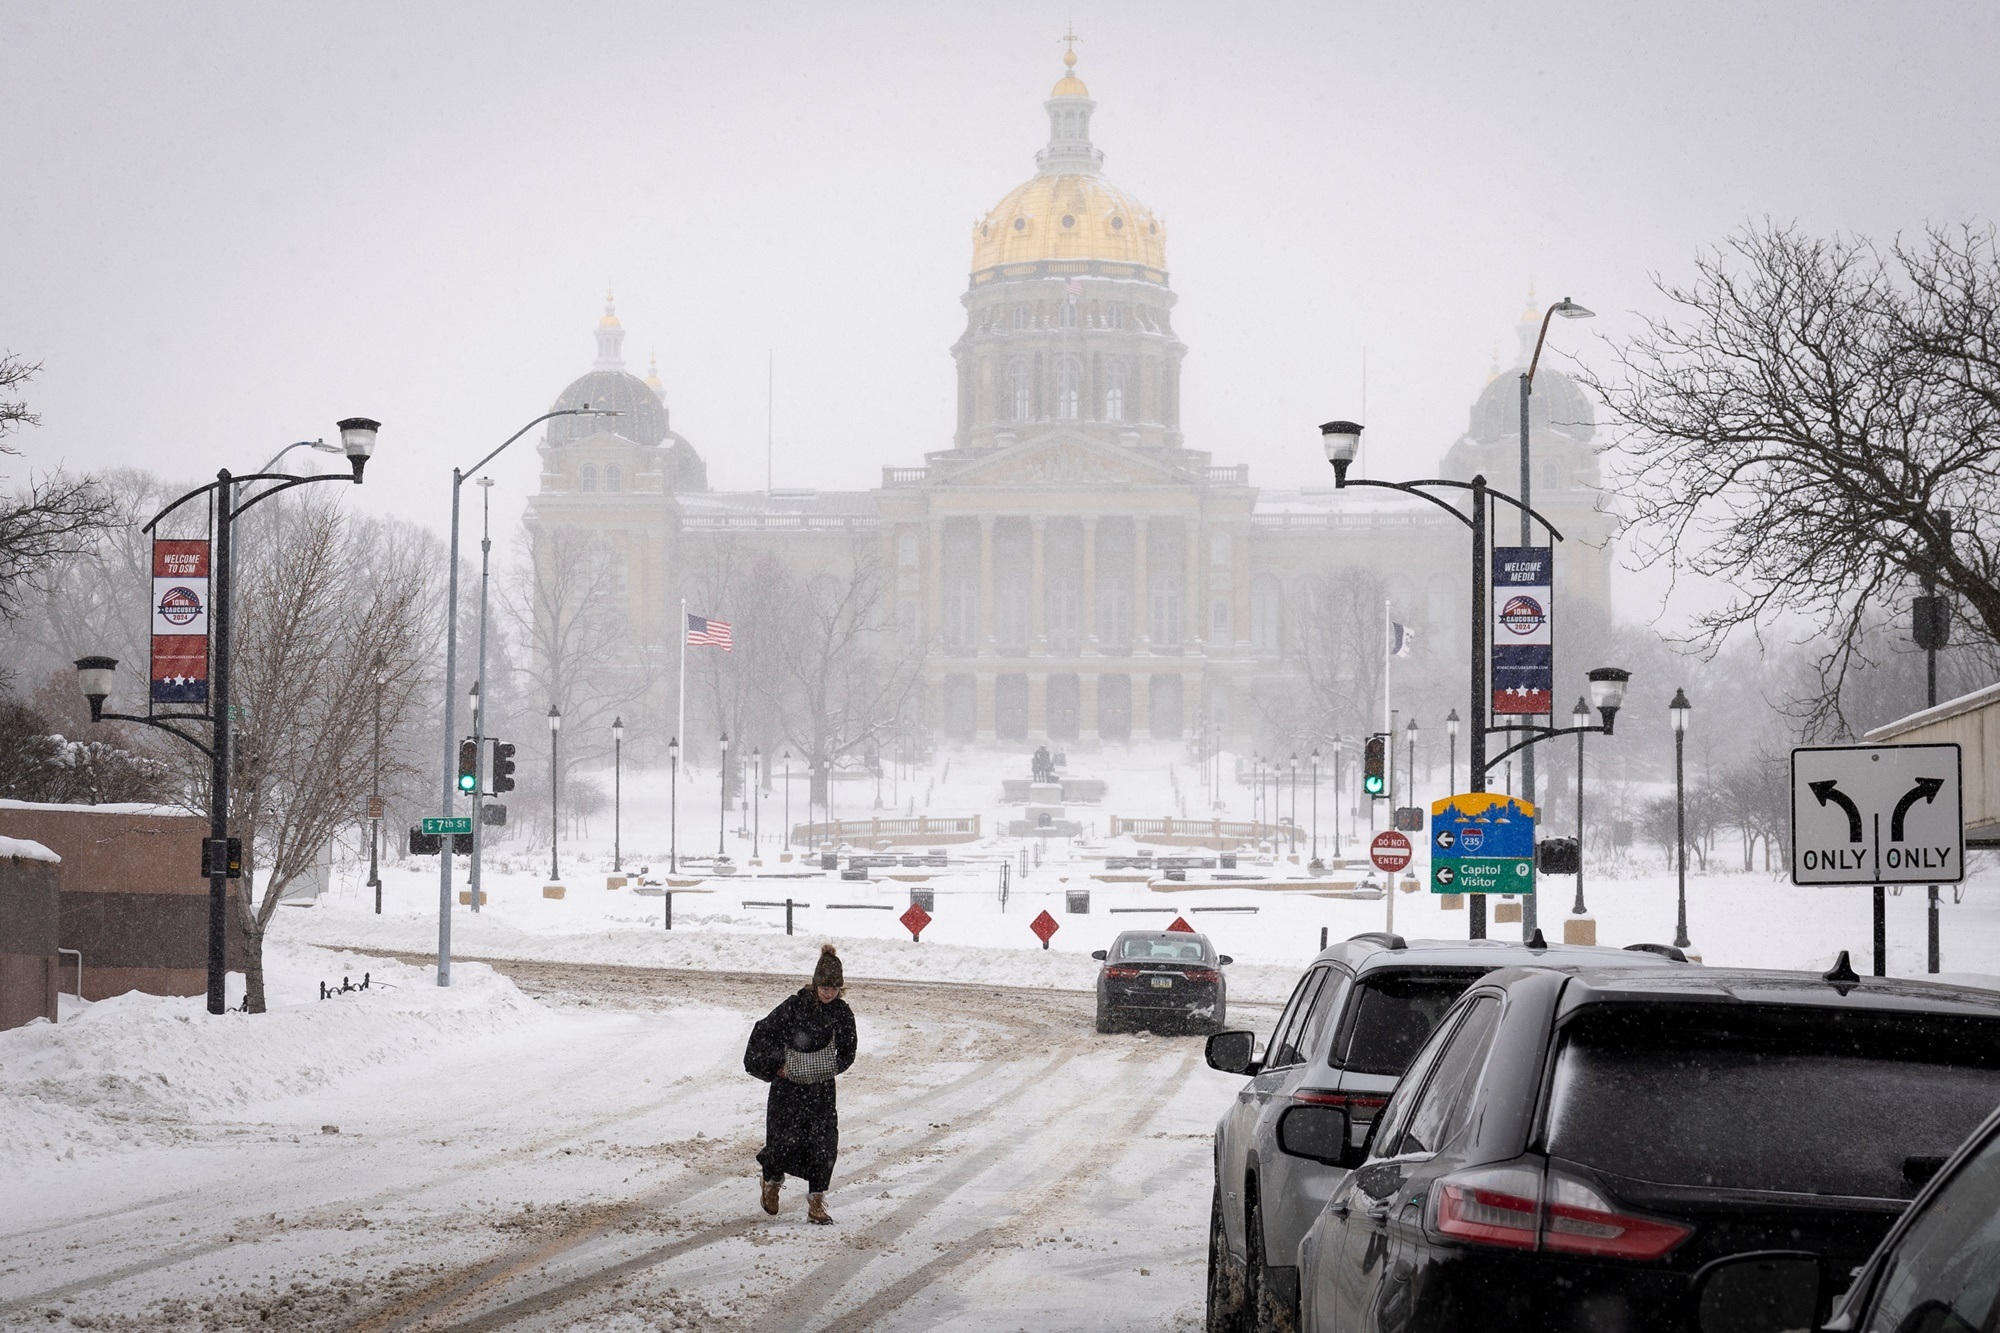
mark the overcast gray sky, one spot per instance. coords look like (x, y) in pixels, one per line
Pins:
(227, 225)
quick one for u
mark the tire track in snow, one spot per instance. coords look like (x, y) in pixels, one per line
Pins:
(978, 1249)
(500, 1271)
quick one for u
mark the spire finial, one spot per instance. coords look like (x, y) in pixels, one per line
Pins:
(1070, 39)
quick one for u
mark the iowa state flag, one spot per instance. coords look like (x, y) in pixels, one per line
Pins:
(180, 621)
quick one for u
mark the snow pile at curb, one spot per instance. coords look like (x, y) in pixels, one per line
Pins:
(720, 951)
(137, 1068)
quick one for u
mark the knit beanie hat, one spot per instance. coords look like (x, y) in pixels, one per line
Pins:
(828, 972)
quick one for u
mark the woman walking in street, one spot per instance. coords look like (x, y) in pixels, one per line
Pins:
(798, 1048)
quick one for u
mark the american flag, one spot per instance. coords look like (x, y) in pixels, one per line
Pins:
(1073, 289)
(714, 633)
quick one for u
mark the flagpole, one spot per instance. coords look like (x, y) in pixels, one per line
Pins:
(681, 714)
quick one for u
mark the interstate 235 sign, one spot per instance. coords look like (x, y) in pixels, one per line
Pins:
(1482, 842)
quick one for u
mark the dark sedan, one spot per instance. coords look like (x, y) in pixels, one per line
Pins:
(1568, 1150)
(1161, 978)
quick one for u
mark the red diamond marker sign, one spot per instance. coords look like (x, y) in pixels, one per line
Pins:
(1044, 926)
(1390, 851)
(914, 921)
(1180, 923)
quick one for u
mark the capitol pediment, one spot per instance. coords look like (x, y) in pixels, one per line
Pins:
(1065, 461)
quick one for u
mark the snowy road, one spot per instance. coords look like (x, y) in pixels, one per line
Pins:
(1002, 1167)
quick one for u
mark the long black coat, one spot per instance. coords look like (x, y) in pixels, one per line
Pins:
(801, 1120)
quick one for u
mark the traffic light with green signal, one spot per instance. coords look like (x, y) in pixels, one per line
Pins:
(1373, 759)
(468, 766)
(502, 767)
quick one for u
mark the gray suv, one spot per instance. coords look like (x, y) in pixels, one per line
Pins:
(1351, 1027)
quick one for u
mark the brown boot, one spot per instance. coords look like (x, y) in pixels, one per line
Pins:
(816, 1210)
(771, 1196)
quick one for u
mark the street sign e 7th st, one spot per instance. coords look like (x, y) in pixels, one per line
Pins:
(447, 824)
(1877, 814)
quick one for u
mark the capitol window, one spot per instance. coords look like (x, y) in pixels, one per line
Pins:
(1022, 382)
(613, 478)
(1266, 611)
(1166, 609)
(1022, 317)
(586, 477)
(1114, 391)
(1069, 379)
(1068, 316)
(1114, 316)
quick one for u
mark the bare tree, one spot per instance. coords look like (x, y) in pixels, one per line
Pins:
(326, 598)
(53, 516)
(1818, 428)
(835, 678)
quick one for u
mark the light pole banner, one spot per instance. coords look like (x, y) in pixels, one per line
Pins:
(1523, 632)
(180, 621)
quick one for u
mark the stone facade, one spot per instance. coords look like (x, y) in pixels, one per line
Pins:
(1069, 569)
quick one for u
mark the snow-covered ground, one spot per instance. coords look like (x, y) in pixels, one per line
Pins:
(564, 1136)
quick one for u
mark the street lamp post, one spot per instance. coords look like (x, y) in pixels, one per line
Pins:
(722, 814)
(1315, 804)
(1451, 762)
(555, 783)
(1579, 717)
(1295, 803)
(788, 798)
(1568, 309)
(1410, 786)
(674, 804)
(617, 791)
(1341, 441)
(1677, 713)
(357, 438)
(458, 476)
(1339, 749)
(375, 790)
(756, 800)
(473, 878)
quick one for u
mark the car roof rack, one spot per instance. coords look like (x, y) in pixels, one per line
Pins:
(1381, 937)
(1663, 950)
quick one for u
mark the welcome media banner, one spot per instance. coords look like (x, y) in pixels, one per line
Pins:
(180, 620)
(1523, 630)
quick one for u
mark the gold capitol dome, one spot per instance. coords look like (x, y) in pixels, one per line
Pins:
(1067, 210)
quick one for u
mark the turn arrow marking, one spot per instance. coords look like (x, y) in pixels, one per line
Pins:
(1926, 790)
(1829, 790)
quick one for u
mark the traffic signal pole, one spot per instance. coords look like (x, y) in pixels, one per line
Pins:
(479, 681)
(1475, 907)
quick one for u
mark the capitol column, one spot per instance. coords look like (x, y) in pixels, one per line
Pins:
(1089, 589)
(987, 729)
(934, 577)
(1142, 598)
(1195, 633)
(1038, 629)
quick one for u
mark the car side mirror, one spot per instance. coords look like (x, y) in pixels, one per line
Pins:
(1232, 1052)
(1100, 954)
(1765, 1291)
(1319, 1134)
(1224, 961)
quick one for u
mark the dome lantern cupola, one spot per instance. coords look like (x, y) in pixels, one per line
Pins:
(610, 338)
(1070, 150)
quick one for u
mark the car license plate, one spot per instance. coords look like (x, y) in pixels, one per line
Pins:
(1163, 983)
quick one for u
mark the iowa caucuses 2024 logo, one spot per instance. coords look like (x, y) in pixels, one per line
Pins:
(1522, 615)
(180, 606)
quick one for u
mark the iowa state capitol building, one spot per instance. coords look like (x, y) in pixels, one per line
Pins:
(1069, 568)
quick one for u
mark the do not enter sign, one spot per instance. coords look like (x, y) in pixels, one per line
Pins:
(1390, 851)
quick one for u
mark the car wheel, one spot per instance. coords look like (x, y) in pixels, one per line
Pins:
(1225, 1281)
(1263, 1310)
(1104, 1023)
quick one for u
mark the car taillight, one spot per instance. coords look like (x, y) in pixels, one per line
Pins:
(1489, 1206)
(1353, 1101)
(1121, 973)
(1513, 1207)
(1579, 1220)
(1203, 974)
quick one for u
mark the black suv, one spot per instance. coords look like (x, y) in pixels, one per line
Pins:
(1569, 1149)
